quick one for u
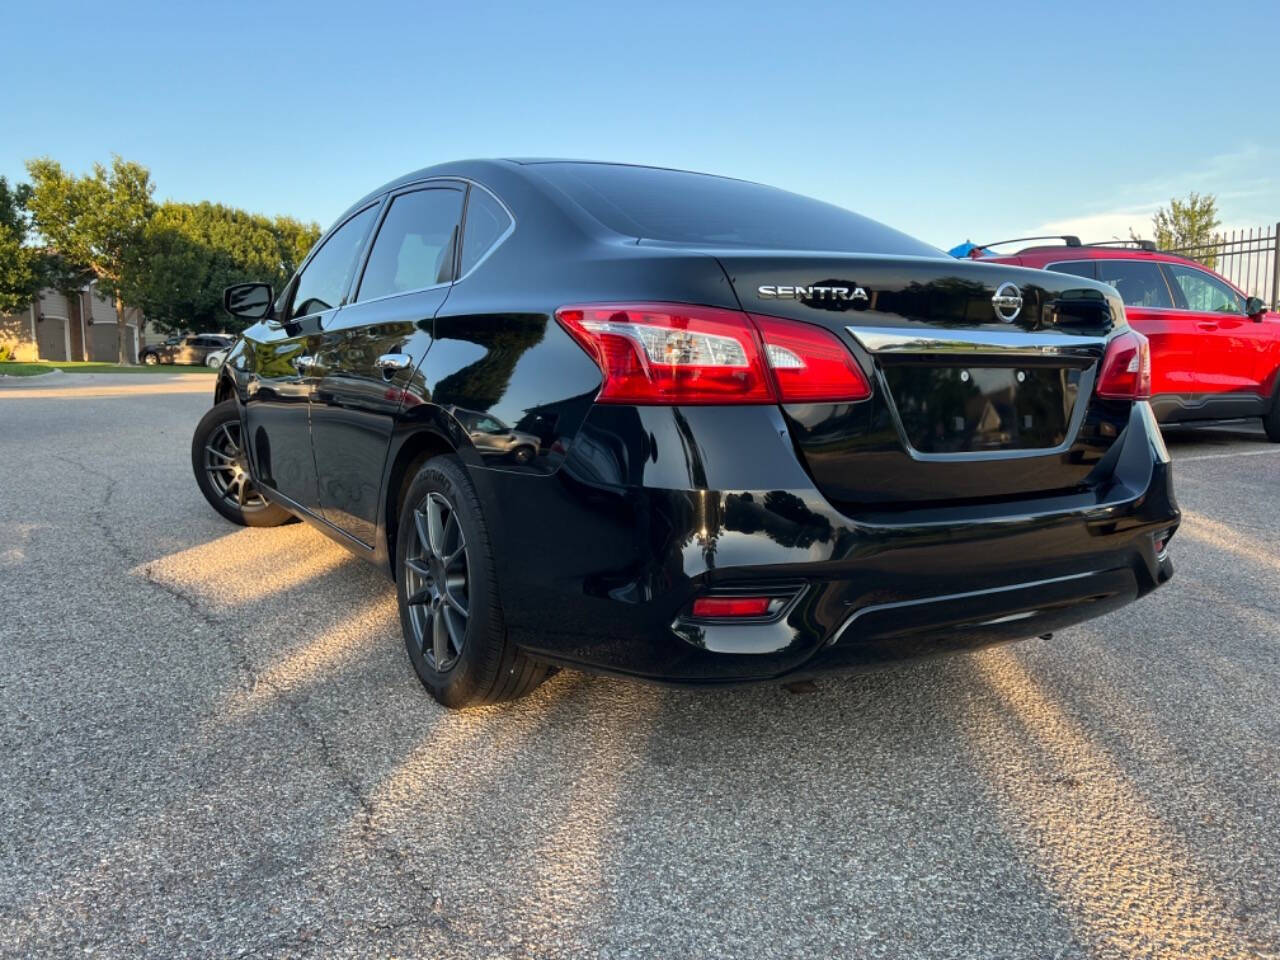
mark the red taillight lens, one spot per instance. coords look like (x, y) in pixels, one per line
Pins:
(1126, 369)
(716, 607)
(670, 353)
(663, 353)
(810, 364)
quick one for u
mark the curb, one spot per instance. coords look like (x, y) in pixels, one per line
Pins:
(7, 380)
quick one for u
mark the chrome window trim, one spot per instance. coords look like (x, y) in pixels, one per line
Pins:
(398, 293)
(352, 297)
(511, 228)
(420, 185)
(311, 255)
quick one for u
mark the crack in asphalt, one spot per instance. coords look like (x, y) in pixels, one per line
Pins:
(373, 839)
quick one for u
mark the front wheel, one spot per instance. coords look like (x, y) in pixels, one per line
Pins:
(212, 361)
(221, 465)
(1271, 422)
(447, 590)
(150, 359)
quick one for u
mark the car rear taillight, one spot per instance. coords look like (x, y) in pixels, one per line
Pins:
(663, 353)
(809, 364)
(1126, 369)
(671, 353)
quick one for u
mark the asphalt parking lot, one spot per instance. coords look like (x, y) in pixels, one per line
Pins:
(212, 744)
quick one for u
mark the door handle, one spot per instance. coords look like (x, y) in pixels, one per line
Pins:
(304, 363)
(1206, 325)
(390, 362)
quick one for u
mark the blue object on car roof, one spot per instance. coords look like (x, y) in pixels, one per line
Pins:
(965, 249)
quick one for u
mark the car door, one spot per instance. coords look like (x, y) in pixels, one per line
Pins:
(367, 352)
(200, 347)
(1232, 346)
(1151, 310)
(188, 351)
(279, 358)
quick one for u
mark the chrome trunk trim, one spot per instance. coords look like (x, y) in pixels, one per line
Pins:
(1010, 343)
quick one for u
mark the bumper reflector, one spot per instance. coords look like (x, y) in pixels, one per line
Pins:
(714, 608)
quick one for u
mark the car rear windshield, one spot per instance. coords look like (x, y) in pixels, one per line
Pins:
(673, 206)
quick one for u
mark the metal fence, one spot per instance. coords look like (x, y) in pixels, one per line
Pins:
(1248, 258)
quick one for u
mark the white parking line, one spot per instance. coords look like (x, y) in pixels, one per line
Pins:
(1224, 456)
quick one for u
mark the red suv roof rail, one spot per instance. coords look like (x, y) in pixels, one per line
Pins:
(1068, 239)
(1148, 245)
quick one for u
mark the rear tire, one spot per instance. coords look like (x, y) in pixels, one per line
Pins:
(221, 467)
(447, 589)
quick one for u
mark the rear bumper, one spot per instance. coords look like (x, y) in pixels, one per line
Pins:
(600, 563)
(1179, 407)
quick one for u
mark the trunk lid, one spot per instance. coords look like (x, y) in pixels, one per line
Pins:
(982, 373)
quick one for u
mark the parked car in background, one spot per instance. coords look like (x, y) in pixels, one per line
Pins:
(764, 437)
(186, 349)
(494, 437)
(1215, 351)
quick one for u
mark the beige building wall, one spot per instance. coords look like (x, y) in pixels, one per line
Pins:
(17, 334)
(53, 329)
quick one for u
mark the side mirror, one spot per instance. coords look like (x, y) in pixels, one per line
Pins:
(248, 301)
(1255, 308)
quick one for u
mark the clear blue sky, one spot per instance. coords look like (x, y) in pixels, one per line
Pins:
(949, 121)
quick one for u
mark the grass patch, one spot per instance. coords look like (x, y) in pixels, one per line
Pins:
(32, 369)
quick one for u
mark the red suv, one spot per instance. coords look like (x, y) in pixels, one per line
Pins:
(1215, 352)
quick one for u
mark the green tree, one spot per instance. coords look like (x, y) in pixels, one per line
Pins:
(19, 263)
(195, 250)
(296, 240)
(1188, 224)
(97, 222)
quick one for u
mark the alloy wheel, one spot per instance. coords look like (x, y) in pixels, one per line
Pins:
(227, 466)
(437, 577)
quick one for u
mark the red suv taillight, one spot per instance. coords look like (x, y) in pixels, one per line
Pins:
(1126, 369)
(669, 353)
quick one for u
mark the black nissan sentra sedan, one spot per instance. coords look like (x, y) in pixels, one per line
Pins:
(759, 436)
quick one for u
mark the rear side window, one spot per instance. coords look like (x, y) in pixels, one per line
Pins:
(1139, 283)
(678, 207)
(487, 221)
(1203, 292)
(1077, 268)
(414, 246)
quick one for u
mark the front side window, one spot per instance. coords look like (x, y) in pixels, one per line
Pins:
(487, 221)
(1139, 283)
(415, 244)
(1202, 291)
(322, 281)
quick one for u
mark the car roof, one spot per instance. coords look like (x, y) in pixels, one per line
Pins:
(481, 170)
